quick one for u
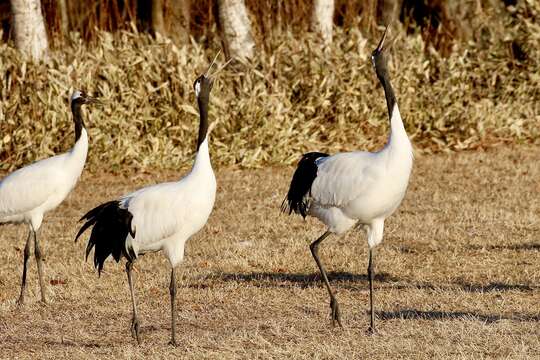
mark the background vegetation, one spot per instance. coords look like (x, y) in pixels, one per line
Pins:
(457, 89)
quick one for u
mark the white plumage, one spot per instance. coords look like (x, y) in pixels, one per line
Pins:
(161, 217)
(28, 193)
(355, 188)
(362, 187)
(166, 215)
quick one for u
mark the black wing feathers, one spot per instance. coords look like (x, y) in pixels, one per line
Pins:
(111, 225)
(301, 183)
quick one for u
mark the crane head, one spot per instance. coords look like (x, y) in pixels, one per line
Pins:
(80, 97)
(203, 84)
(377, 56)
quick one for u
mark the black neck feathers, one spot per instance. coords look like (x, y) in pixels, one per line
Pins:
(77, 118)
(378, 58)
(388, 90)
(203, 100)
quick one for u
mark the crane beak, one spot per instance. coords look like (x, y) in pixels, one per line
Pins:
(207, 73)
(380, 47)
(213, 75)
(93, 100)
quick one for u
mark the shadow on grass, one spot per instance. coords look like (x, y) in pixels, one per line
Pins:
(411, 314)
(527, 246)
(347, 280)
(494, 286)
(277, 279)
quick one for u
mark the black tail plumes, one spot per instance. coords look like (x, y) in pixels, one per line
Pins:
(301, 182)
(111, 225)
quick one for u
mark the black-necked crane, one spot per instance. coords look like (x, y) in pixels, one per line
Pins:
(158, 217)
(28, 193)
(355, 188)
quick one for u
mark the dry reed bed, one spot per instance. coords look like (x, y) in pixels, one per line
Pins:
(293, 98)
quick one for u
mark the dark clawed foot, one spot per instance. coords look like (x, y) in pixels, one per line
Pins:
(372, 331)
(173, 343)
(135, 325)
(334, 306)
(20, 301)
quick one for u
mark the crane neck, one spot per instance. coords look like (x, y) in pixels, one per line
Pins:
(203, 100)
(391, 102)
(77, 119)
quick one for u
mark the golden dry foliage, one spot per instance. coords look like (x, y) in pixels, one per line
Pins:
(292, 98)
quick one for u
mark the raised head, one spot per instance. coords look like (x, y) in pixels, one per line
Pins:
(202, 86)
(378, 57)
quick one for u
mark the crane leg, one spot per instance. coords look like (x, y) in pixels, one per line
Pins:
(135, 324)
(334, 306)
(39, 261)
(371, 277)
(25, 263)
(172, 290)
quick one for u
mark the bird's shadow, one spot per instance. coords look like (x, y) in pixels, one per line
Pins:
(348, 280)
(516, 247)
(414, 314)
(278, 279)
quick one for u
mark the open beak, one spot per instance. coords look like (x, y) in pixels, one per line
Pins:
(211, 76)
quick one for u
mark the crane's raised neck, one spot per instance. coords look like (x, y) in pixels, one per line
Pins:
(203, 100)
(77, 118)
(384, 78)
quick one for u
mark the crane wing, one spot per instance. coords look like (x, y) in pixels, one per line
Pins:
(29, 187)
(156, 211)
(342, 178)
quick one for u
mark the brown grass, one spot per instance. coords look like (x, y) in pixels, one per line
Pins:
(458, 274)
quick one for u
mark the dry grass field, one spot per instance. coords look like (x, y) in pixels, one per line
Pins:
(458, 274)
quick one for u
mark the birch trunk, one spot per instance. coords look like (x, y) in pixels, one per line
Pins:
(158, 26)
(235, 29)
(178, 20)
(322, 19)
(64, 20)
(30, 34)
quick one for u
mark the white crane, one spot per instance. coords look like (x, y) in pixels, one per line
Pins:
(158, 217)
(358, 187)
(28, 193)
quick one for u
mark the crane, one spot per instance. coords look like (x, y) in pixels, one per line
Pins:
(160, 217)
(28, 193)
(355, 188)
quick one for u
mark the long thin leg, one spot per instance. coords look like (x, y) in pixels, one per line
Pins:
(172, 289)
(135, 324)
(25, 261)
(39, 261)
(333, 301)
(371, 277)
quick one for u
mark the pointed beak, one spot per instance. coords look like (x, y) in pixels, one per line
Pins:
(93, 100)
(213, 75)
(380, 47)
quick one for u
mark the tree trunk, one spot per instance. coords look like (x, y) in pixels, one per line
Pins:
(64, 20)
(178, 20)
(158, 26)
(30, 34)
(322, 19)
(235, 29)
